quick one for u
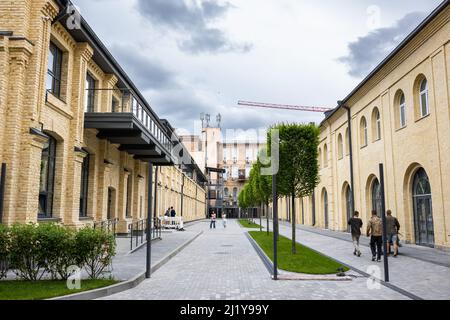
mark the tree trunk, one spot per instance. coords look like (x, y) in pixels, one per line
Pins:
(260, 219)
(293, 224)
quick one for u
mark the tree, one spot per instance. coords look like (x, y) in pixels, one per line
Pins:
(298, 173)
(263, 183)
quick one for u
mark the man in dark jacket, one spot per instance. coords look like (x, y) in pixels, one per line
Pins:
(172, 212)
(356, 224)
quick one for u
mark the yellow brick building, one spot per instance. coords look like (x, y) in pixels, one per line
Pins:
(400, 117)
(76, 135)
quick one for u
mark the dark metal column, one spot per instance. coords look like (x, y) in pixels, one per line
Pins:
(2, 190)
(149, 221)
(350, 146)
(275, 226)
(383, 217)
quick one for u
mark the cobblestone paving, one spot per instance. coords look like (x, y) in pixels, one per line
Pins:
(221, 264)
(424, 279)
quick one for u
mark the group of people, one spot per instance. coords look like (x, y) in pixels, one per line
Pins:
(170, 212)
(375, 231)
(212, 223)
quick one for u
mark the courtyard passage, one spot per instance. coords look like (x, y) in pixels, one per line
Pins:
(421, 272)
(222, 264)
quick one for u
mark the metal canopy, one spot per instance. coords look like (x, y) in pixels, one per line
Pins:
(126, 130)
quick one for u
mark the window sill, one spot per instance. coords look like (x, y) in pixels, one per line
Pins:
(424, 117)
(401, 128)
(362, 147)
(48, 220)
(58, 105)
(86, 218)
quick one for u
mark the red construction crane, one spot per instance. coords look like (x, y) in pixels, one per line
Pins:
(283, 106)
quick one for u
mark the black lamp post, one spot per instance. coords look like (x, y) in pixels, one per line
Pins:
(149, 221)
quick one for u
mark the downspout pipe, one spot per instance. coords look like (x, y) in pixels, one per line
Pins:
(350, 143)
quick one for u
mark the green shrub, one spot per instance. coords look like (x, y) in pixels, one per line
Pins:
(27, 255)
(58, 244)
(5, 244)
(95, 250)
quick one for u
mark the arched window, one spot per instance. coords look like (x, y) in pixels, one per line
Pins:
(325, 207)
(347, 142)
(225, 192)
(402, 110)
(340, 147)
(423, 98)
(348, 204)
(376, 125)
(423, 210)
(363, 132)
(325, 156)
(235, 193)
(320, 158)
(376, 196)
(47, 178)
(84, 186)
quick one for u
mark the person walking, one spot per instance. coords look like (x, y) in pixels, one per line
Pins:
(172, 212)
(374, 230)
(213, 220)
(356, 224)
(224, 220)
(392, 227)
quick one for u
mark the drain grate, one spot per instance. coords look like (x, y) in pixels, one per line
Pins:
(221, 253)
(227, 245)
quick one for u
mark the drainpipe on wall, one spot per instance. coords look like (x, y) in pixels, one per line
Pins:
(349, 120)
(182, 196)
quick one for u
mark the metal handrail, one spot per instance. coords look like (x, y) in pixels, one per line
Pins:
(138, 232)
(110, 225)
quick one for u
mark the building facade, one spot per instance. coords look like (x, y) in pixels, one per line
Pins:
(233, 156)
(76, 135)
(399, 117)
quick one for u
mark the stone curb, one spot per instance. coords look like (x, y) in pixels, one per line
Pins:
(290, 275)
(125, 285)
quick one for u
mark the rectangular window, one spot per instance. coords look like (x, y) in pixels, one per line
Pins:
(114, 105)
(53, 81)
(90, 94)
(128, 202)
(47, 174)
(84, 186)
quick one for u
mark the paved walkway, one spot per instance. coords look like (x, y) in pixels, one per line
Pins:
(423, 272)
(222, 264)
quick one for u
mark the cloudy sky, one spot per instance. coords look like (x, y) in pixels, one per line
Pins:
(193, 56)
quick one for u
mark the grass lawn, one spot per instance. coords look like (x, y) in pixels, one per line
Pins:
(28, 290)
(248, 224)
(304, 261)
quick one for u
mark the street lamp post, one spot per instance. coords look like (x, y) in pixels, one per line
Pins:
(383, 217)
(275, 226)
(149, 221)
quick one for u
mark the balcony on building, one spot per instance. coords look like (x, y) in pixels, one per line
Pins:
(136, 132)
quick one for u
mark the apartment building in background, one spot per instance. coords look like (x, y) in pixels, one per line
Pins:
(227, 162)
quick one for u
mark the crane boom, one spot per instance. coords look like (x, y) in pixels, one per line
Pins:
(283, 106)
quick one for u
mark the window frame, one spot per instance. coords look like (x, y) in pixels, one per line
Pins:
(84, 186)
(46, 197)
(54, 71)
(402, 110)
(90, 93)
(364, 132)
(423, 92)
